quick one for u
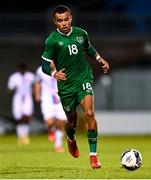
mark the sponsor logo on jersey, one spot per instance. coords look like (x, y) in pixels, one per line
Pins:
(80, 39)
(60, 43)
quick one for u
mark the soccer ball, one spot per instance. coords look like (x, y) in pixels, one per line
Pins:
(131, 159)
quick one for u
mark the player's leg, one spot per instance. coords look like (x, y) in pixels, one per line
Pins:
(50, 123)
(60, 121)
(69, 106)
(59, 134)
(23, 129)
(71, 123)
(17, 111)
(48, 117)
(27, 115)
(87, 105)
(70, 127)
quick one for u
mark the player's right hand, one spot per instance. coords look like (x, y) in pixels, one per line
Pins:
(60, 75)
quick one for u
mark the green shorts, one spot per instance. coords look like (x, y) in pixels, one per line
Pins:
(71, 99)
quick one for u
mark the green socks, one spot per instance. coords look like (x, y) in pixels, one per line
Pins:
(92, 140)
(70, 133)
(91, 134)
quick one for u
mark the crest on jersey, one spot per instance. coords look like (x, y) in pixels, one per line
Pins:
(80, 39)
(67, 108)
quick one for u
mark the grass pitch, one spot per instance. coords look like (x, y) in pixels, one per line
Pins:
(38, 160)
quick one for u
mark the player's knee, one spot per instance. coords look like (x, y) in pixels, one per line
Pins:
(89, 114)
(71, 125)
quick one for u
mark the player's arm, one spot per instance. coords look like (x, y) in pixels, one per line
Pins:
(10, 91)
(47, 57)
(91, 52)
(11, 86)
(105, 64)
(49, 69)
(48, 66)
(37, 91)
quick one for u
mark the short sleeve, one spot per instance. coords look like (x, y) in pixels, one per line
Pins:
(38, 75)
(11, 83)
(89, 49)
(87, 41)
(49, 50)
(32, 77)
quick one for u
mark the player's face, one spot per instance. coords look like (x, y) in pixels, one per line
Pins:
(63, 21)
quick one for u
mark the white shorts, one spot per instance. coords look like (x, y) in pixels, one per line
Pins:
(50, 110)
(21, 107)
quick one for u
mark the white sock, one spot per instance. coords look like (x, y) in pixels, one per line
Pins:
(22, 130)
(93, 154)
(58, 138)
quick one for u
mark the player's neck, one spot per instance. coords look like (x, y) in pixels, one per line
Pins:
(67, 34)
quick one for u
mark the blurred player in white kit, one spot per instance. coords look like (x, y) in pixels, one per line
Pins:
(51, 108)
(20, 85)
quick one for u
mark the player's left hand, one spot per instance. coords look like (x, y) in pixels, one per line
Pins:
(105, 66)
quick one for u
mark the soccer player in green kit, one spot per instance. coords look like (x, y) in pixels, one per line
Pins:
(66, 47)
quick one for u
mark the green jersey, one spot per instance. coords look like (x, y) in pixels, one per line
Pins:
(67, 51)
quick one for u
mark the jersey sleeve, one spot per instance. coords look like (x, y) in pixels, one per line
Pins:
(11, 83)
(32, 77)
(89, 49)
(49, 50)
(87, 41)
(38, 74)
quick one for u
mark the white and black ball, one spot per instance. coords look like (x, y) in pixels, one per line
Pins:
(131, 159)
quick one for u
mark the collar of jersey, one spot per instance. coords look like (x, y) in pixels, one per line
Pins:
(68, 34)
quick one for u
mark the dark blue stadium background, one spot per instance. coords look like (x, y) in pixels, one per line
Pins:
(119, 29)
